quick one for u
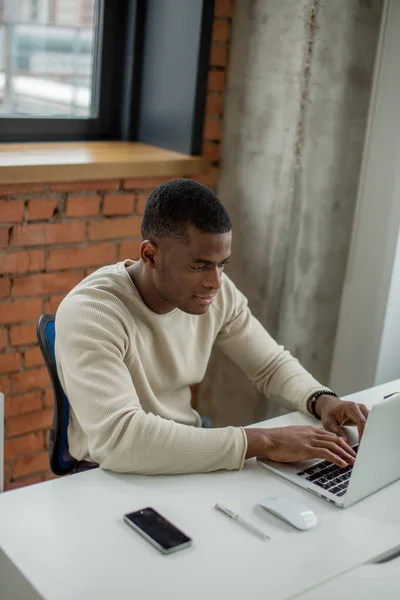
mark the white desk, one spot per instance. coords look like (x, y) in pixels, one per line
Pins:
(65, 539)
(369, 582)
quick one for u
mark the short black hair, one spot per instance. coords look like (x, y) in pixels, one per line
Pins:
(176, 204)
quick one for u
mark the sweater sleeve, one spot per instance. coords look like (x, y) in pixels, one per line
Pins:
(91, 343)
(273, 370)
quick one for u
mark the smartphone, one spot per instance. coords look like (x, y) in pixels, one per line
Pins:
(157, 530)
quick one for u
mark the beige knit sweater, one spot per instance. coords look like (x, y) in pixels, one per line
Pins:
(127, 370)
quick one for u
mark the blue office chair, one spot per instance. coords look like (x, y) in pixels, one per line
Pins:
(61, 461)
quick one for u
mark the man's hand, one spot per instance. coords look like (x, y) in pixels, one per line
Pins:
(289, 444)
(335, 412)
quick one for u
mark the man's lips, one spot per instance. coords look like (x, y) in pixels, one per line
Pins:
(205, 299)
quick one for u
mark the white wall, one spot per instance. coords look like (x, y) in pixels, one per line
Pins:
(389, 357)
(367, 346)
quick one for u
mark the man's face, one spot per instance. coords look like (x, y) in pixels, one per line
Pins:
(188, 276)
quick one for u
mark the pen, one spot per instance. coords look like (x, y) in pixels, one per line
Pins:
(249, 526)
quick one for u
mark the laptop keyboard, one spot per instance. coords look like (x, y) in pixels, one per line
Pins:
(328, 476)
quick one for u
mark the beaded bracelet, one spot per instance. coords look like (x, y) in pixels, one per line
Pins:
(311, 401)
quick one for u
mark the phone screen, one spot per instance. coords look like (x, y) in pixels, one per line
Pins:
(158, 528)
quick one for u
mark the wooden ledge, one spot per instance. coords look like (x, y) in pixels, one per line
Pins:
(73, 161)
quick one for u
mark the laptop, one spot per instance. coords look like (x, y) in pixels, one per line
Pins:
(377, 462)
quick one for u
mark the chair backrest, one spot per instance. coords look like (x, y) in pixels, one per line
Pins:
(61, 462)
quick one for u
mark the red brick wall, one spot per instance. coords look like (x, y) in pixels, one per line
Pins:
(53, 235)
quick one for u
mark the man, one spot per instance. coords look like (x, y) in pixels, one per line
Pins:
(132, 337)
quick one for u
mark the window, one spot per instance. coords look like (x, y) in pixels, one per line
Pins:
(61, 72)
(105, 69)
(47, 58)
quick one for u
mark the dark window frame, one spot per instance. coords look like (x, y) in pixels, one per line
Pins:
(128, 106)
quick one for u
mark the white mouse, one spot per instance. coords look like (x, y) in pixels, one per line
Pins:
(291, 511)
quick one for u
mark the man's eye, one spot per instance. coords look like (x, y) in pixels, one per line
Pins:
(203, 267)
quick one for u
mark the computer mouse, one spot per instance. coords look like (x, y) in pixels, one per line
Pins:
(291, 511)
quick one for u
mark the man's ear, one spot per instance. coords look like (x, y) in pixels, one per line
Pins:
(148, 253)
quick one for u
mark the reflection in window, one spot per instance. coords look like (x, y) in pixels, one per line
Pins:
(49, 50)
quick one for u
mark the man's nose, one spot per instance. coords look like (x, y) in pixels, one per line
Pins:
(213, 278)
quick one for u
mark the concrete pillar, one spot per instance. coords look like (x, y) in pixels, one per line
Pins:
(326, 182)
(294, 122)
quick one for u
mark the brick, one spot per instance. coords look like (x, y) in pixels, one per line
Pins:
(23, 482)
(210, 178)
(46, 438)
(48, 398)
(223, 8)
(213, 105)
(22, 262)
(220, 31)
(31, 464)
(4, 237)
(90, 271)
(66, 258)
(21, 188)
(114, 228)
(3, 334)
(42, 208)
(5, 287)
(24, 444)
(118, 204)
(141, 202)
(130, 250)
(211, 151)
(48, 476)
(11, 211)
(212, 129)
(46, 283)
(194, 395)
(219, 56)
(20, 310)
(23, 403)
(216, 81)
(33, 357)
(22, 335)
(9, 362)
(48, 233)
(4, 384)
(82, 186)
(29, 422)
(83, 206)
(144, 183)
(7, 474)
(53, 303)
(29, 380)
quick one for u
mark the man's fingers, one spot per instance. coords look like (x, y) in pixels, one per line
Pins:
(364, 410)
(331, 437)
(334, 448)
(328, 455)
(354, 413)
(334, 427)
